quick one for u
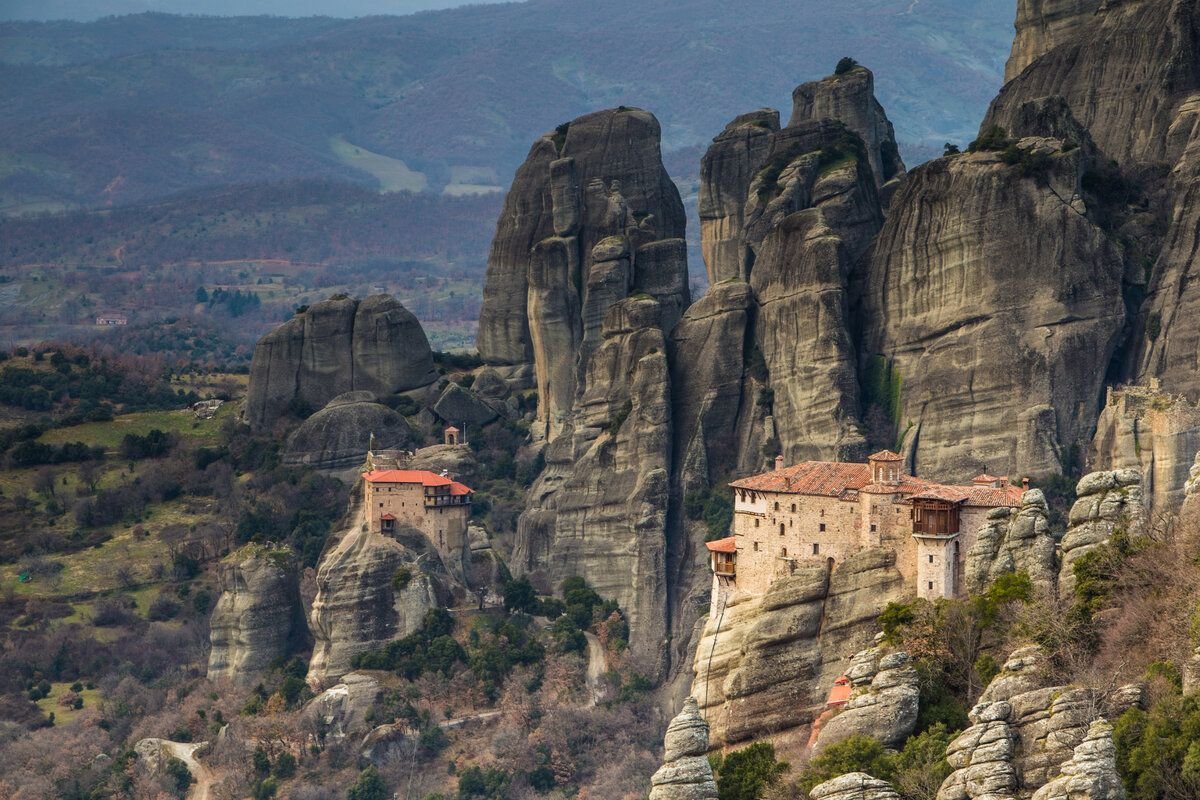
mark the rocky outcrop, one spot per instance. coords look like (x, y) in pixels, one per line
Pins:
(1140, 57)
(462, 407)
(357, 607)
(1158, 434)
(257, 619)
(599, 508)
(849, 97)
(764, 665)
(883, 704)
(551, 273)
(1091, 774)
(685, 773)
(1108, 504)
(337, 346)
(339, 435)
(1014, 540)
(976, 361)
(344, 709)
(853, 786)
(726, 171)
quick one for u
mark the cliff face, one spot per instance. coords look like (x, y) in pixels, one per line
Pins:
(1109, 504)
(338, 436)
(1043, 25)
(548, 284)
(357, 608)
(990, 303)
(1014, 540)
(765, 665)
(337, 346)
(258, 617)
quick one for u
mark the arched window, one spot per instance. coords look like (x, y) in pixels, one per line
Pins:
(777, 506)
(781, 529)
(793, 508)
(783, 552)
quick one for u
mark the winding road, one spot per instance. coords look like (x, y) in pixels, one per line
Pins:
(186, 752)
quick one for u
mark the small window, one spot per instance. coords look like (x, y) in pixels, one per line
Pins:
(821, 527)
(756, 547)
(783, 552)
(756, 523)
(381, 505)
(873, 527)
(816, 549)
(822, 512)
(782, 528)
(931, 559)
(897, 509)
(794, 508)
(777, 506)
(931, 586)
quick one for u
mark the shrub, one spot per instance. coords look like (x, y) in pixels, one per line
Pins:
(520, 596)
(285, 766)
(178, 772)
(744, 774)
(1158, 751)
(369, 786)
(483, 784)
(950, 149)
(846, 64)
(162, 608)
(993, 138)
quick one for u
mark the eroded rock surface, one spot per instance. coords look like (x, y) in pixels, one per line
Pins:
(1014, 540)
(357, 608)
(1108, 504)
(334, 347)
(764, 666)
(685, 773)
(975, 365)
(338, 436)
(883, 704)
(854, 786)
(1091, 774)
(343, 709)
(258, 618)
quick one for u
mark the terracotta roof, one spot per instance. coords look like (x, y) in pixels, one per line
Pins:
(839, 693)
(392, 517)
(728, 545)
(885, 455)
(985, 478)
(834, 478)
(421, 476)
(950, 494)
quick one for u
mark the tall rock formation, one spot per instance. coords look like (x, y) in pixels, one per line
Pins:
(358, 607)
(1091, 774)
(337, 346)
(258, 618)
(549, 280)
(1043, 25)
(1014, 540)
(1108, 504)
(685, 773)
(764, 665)
(883, 704)
(990, 303)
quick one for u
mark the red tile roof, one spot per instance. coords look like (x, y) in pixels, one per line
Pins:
(885, 455)
(985, 478)
(834, 478)
(950, 494)
(728, 545)
(392, 517)
(421, 476)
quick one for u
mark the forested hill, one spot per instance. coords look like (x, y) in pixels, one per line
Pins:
(130, 108)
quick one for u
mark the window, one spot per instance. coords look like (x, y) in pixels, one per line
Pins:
(793, 508)
(821, 527)
(756, 547)
(756, 523)
(777, 506)
(381, 505)
(897, 509)
(822, 512)
(782, 527)
(783, 552)
(816, 549)
(931, 586)
(873, 527)
(931, 559)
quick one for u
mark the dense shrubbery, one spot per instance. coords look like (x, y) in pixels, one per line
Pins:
(1158, 751)
(744, 774)
(916, 771)
(715, 507)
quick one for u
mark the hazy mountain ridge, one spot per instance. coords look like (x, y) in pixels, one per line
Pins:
(180, 102)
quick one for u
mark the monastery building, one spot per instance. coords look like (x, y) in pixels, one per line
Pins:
(831, 510)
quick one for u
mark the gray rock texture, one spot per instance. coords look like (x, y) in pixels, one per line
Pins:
(685, 773)
(850, 98)
(1043, 25)
(356, 608)
(1107, 504)
(462, 407)
(337, 346)
(854, 786)
(883, 704)
(597, 176)
(1014, 540)
(1091, 773)
(974, 368)
(342, 709)
(258, 617)
(338, 436)
(764, 666)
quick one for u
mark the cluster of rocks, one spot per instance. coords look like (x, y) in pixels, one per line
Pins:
(1108, 504)
(1014, 540)
(883, 704)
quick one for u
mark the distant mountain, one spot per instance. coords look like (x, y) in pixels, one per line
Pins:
(86, 10)
(125, 109)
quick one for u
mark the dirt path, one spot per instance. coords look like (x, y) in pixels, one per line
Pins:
(596, 667)
(186, 753)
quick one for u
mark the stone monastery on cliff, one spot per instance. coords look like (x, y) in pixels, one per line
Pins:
(830, 510)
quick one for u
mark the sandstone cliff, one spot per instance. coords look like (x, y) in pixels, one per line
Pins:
(258, 618)
(1108, 504)
(337, 346)
(357, 607)
(989, 300)
(685, 773)
(1014, 540)
(1043, 25)
(765, 665)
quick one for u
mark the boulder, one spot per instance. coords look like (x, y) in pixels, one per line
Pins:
(883, 704)
(1108, 503)
(685, 773)
(336, 346)
(1091, 773)
(1014, 540)
(853, 786)
(343, 709)
(339, 435)
(257, 619)
(462, 407)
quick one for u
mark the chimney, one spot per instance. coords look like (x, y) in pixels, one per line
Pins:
(1025, 484)
(778, 462)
